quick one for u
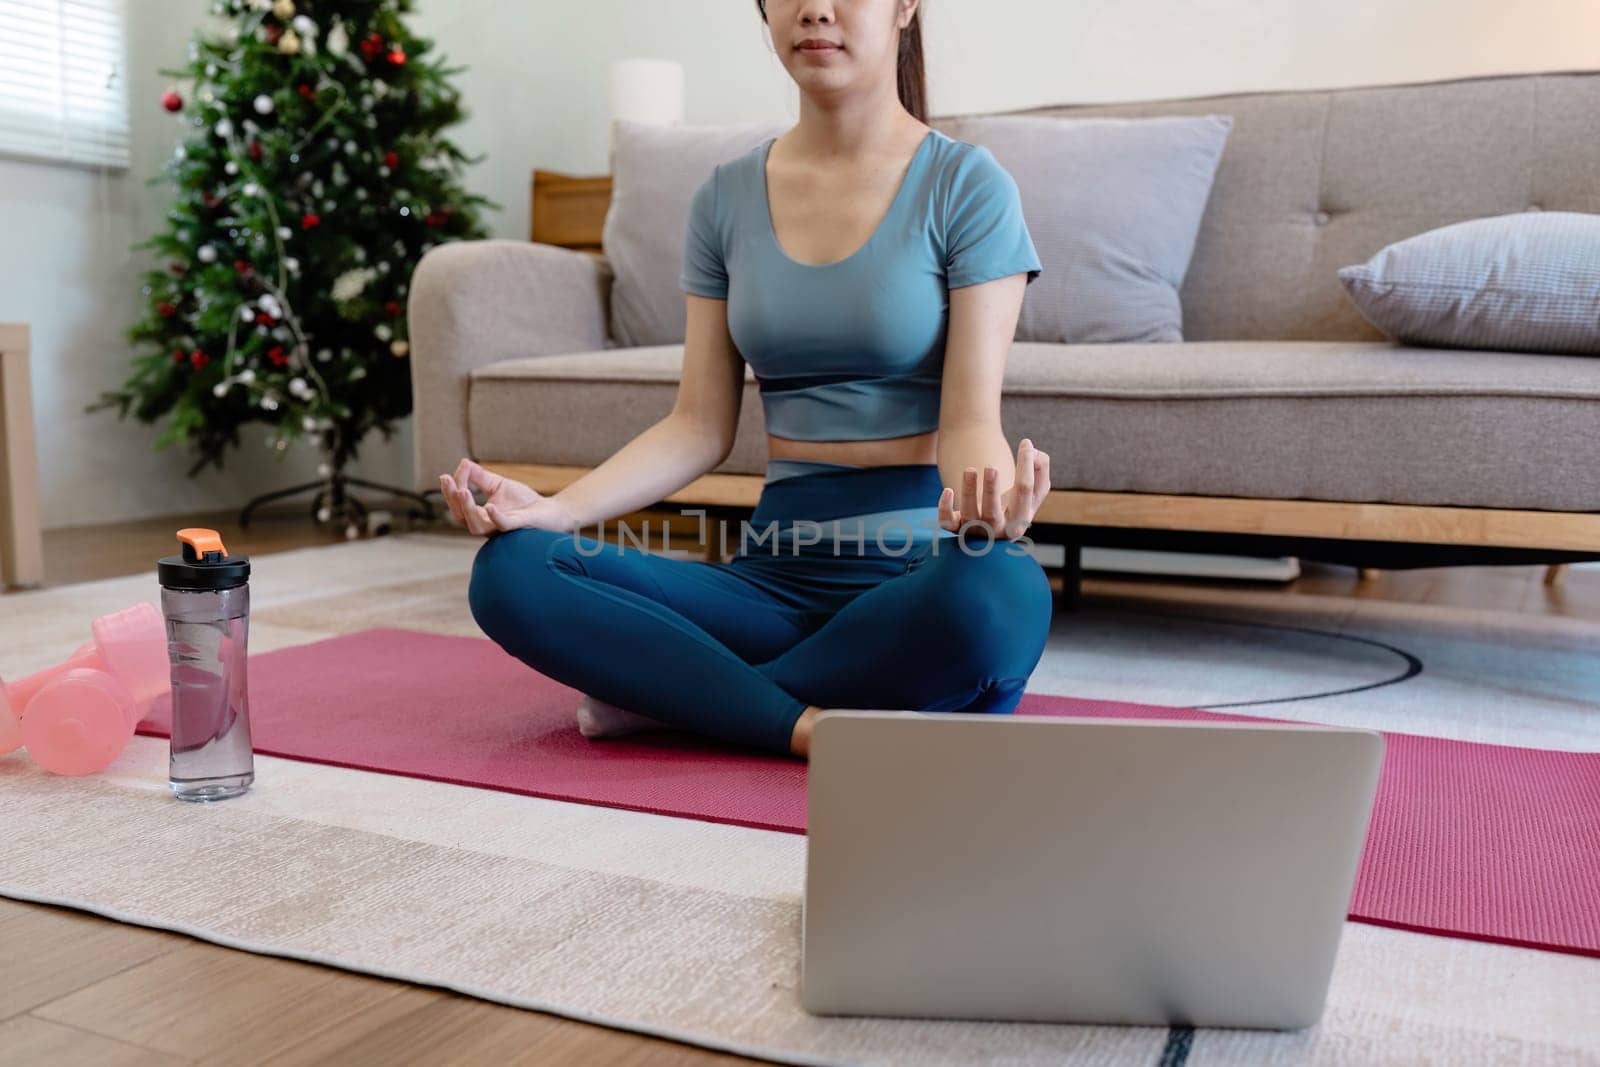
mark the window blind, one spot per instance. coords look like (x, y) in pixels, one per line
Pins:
(63, 81)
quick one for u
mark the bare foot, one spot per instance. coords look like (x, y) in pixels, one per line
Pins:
(800, 740)
(597, 719)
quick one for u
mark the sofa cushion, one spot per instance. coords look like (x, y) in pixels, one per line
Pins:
(655, 171)
(1315, 179)
(1341, 420)
(1528, 282)
(1113, 206)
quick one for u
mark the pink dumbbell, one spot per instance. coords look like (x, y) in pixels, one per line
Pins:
(75, 717)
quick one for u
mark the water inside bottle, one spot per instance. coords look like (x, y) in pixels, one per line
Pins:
(211, 754)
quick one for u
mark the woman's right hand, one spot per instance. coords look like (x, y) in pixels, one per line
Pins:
(510, 504)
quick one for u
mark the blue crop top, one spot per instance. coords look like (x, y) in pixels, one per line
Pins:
(854, 349)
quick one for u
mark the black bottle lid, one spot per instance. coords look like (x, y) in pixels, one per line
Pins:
(205, 564)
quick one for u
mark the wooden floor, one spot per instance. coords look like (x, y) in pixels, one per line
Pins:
(76, 989)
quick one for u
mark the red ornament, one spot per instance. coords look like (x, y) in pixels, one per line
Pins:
(372, 45)
(393, 309)
(179, 356)
(277, 356)
(306, 91)
(391, 160)
(272, 33)
(309, 220)
(265, 321)
(255, 151)
(242, 267)
(199, 359)
(166, 310)
(171, 100)
(397, 57)
(208, 198)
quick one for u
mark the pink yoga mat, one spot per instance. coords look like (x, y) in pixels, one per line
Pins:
(1486, 842)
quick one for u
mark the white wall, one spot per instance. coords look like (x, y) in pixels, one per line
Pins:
(537, 83)
(537, 91)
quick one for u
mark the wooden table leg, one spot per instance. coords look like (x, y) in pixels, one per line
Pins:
(21, 539)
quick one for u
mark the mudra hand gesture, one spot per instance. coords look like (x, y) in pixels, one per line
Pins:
(510, 504)
(1007, 514)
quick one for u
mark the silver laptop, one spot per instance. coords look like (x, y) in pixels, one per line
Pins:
(1023, 867)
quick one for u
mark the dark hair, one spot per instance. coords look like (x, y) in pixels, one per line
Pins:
(911, 75)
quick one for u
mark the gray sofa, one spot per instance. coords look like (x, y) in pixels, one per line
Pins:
(1283, 424)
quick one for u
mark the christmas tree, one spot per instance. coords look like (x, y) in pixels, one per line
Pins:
(313, 176)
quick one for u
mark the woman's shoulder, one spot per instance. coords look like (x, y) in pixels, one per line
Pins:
(740, 167)
(963, 163)
(730, 180)
(967, 177)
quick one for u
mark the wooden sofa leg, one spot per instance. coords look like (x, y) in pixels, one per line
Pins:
(1553, 573)
(1071, 578)
(715, 535)
(1370, 574)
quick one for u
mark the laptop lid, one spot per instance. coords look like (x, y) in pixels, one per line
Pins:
(1080, 870)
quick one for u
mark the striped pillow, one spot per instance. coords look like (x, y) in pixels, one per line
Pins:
(1527, 282)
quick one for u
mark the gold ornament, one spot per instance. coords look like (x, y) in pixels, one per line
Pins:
(284, 9)
(289, 43)
(398, 349)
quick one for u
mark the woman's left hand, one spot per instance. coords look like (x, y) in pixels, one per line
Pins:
(1007, 514)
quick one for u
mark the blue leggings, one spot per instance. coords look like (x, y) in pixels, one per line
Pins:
(842, 593)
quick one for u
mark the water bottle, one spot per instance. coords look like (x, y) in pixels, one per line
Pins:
(205, 599)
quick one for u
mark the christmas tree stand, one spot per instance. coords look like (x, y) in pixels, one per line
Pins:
(333, 504)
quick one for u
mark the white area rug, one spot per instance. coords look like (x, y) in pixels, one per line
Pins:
(690, 930)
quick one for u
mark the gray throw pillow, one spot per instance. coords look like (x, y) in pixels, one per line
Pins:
(1526, 282)
(655, 170)
(1114, 207)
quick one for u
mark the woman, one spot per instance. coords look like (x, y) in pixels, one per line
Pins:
(871, 270)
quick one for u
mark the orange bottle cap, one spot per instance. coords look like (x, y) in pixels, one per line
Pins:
(199, 541)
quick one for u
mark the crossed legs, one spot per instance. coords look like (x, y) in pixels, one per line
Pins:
(720, 650)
